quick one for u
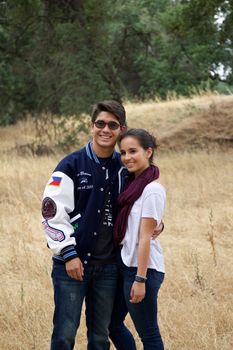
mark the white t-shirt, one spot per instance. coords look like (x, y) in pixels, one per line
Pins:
(150, 204)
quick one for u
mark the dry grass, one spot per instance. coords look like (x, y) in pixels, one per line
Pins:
(181, 124)
(196, 298)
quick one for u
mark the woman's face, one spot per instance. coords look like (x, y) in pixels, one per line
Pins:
(134, 157)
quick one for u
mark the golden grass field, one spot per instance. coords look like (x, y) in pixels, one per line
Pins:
(195, 301)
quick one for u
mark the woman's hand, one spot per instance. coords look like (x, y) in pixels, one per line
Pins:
(137, 293)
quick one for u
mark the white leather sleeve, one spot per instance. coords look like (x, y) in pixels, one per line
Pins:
(58, 201)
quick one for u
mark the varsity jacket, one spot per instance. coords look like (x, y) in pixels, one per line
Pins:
(73, 201)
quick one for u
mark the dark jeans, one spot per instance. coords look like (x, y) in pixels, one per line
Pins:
(98, 288)
(143, 314)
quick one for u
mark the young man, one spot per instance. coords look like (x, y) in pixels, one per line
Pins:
(78, 210)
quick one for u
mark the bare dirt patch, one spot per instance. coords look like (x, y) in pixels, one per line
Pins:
(209, 128)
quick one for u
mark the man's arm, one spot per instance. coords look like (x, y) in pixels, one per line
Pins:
(58, 202)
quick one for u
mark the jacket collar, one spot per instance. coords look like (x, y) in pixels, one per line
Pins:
(91, 153)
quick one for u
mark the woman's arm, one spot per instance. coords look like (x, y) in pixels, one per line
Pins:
(147, 227)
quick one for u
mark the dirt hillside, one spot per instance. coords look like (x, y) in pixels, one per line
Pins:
(184, 124)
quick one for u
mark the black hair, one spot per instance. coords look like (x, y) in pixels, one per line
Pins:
(145, 139)
(110, 106)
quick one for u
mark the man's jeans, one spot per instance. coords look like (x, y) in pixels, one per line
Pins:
(143, 314)
(98, 288)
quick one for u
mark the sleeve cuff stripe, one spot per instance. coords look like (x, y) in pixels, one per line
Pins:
(68, 249)
(67, 255)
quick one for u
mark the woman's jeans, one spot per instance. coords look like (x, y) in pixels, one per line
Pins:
(118, 332)
(143, 314)
(98, 288)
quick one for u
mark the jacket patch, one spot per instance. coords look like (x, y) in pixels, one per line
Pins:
(53, 233)
(56, 180)
(49, 208)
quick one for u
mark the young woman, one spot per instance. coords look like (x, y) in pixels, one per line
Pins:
(141, 207)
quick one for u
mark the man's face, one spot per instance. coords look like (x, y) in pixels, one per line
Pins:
(105, 131)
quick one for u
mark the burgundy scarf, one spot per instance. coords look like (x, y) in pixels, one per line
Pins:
(126, 199)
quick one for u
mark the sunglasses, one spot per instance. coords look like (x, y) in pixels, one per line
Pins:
(100, 124)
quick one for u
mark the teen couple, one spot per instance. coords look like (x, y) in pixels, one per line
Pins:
(99, 218)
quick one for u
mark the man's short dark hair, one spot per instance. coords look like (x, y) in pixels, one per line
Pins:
(111, 106)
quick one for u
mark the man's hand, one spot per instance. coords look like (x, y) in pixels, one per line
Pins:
(75, 269)
(158, 230)
(137, 292)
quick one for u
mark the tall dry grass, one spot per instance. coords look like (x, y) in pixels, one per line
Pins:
(195, 301)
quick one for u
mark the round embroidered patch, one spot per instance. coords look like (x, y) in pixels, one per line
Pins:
(49, 208)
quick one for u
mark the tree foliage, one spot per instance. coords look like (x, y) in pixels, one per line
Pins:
(62, 56)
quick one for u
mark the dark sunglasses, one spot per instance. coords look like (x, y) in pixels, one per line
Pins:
(100, 124)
